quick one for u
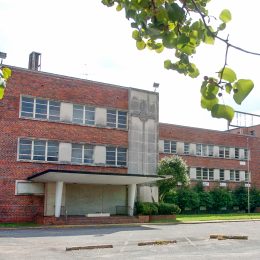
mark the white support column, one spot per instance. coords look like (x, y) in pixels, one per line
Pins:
(131, 198)
(58, 197)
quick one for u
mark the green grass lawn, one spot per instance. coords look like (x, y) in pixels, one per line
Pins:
(211, 217)
(14, 225)
(208, 217)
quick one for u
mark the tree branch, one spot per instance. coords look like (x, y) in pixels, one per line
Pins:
(219, 38)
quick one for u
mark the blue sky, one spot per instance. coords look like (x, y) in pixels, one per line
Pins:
(85, 39)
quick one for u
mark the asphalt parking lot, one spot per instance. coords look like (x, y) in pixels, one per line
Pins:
(192, 241)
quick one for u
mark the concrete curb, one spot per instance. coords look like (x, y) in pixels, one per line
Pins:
(126, 224)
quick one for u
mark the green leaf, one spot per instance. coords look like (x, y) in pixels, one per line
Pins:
(228, 75)
(208, 103)
(193, 71)
(209, 38)
(140, 45)
(222, 111)
(119, 7)
(228, 88)
(2, 90)
(243, 88)
(167, 64)
(222, 27)
(170, 40)
(159, 48)
(175, 12)
(225, 16)
(136, 35)
(6, 73)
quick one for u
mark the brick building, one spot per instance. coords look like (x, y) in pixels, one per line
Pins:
(76, 147)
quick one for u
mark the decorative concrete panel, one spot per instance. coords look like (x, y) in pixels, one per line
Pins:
(143, 137)
(241, 153)
(232, 152)
(99, 154)
(216, 151)
(192, 149)
(66, 112)
(193, 173)
(65, 150)
(101, 116)
(180, 147)
(216, 174)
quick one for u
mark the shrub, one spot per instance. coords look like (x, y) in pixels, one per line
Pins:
(146, 208)
(222, 198)
(205, 199)
(168, 209)
(187, 198)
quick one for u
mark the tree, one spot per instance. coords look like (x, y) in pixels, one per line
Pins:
(178, 169)
(181, 26)
(5, 74)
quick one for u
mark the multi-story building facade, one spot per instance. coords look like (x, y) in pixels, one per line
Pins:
(77, 147)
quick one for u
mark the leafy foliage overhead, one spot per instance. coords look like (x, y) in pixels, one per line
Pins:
(5, 73)
(182, 26)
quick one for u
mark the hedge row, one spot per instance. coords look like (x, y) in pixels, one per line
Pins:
(150, 208)
(219, 199)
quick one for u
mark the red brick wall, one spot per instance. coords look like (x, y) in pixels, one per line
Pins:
(26, 208)
(204, 136)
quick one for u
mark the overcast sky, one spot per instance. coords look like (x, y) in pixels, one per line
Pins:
(83, 38)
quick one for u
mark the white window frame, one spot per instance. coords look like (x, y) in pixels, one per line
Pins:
(46, 146)
(116, 149)
(172, 147)
(34, 109)
(83, 147)
(85, 108)
(116, 124)
(186, 148)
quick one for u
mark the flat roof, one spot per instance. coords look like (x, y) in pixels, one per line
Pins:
(86, 177)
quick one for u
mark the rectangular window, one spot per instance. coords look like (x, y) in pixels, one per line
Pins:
(221, 175)
(232, 175)
(82, 153)
(25, 149)
(170, 146)
(186, 148)
(38, 150)
(210, 150)
(89, 115)
(204, 150)
(237, 175)
(222, 152)
(27, 107)
(40, 108)
(205, 174)
(167, 146)
(226, 152)
(211, 174)
(83, 115)
(173, 147)
(246, 176)
(116, 118)
(198, 149)
(246, 154)
(116, 156)
(198, 173)
(237, 153)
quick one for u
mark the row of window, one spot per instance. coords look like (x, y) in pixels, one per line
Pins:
(48, 151)
(39, 108)
(203, 150)
(208, 174)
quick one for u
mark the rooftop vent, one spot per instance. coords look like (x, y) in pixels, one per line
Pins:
(34, 61)
(2, 56)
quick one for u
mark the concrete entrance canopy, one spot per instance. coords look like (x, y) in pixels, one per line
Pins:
(81, 177)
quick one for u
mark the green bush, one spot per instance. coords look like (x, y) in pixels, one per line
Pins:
(188, 199)
(205, 199)
(168, 209)
(222, 198)
(146, 208)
